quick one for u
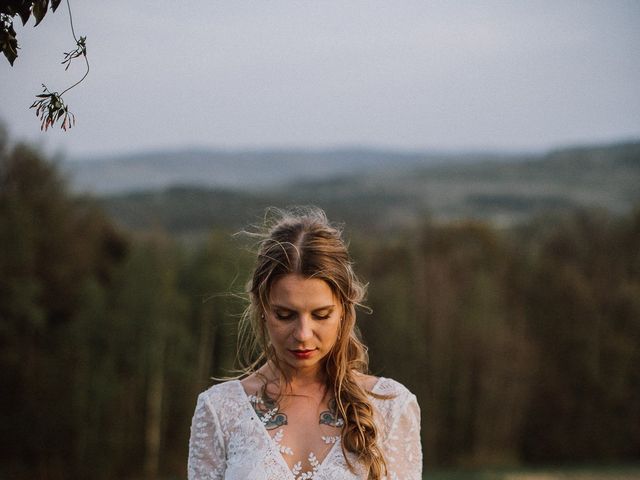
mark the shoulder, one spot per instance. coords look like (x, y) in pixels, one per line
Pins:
(223, 392)
(368, 382)
(396, 406)
(386, 388)
(392, 398)
(389, 387)
(224, 405)
(253, 383)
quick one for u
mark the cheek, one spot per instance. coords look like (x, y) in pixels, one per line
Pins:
(334, 330)
(275, 332)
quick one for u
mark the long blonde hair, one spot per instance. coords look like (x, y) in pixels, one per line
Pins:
(302, 241)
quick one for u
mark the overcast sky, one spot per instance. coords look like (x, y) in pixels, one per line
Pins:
(515, 75)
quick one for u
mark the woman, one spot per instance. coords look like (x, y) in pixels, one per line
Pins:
(306, 408)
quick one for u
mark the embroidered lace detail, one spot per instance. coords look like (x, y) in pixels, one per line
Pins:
(297, 467)
(309, 475)
(277, 438)
(330, 439)
(229, 440)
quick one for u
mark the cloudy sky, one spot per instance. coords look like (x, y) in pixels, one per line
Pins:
(456, 75)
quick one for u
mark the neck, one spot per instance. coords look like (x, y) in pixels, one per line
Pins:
(297, 380)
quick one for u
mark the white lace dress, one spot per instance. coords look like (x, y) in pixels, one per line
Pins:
(229, 441)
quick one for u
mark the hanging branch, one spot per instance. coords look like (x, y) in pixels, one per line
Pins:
(50, 106)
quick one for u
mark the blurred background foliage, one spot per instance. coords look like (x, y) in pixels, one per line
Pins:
(521, 343)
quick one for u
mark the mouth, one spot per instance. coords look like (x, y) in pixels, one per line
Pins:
(303, 353)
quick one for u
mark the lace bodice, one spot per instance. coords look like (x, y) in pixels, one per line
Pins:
(229, 441)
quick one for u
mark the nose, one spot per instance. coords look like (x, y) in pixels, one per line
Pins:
(303, 330)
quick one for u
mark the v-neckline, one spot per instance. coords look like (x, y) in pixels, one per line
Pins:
(272, 443)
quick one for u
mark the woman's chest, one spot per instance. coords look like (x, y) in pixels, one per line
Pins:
(257, 453)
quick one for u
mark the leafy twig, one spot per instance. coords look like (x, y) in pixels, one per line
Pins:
(50, 108)
(81, 49)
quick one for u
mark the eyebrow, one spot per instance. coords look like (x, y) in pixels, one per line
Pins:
(283, 307)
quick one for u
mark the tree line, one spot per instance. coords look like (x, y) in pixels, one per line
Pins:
(522, 345)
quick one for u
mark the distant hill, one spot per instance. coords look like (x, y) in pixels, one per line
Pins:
(244, 169)
(500, 190)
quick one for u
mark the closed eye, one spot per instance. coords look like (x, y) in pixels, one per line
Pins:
(284, 314)
(322, 314)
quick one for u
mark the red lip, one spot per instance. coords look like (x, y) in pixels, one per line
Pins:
(302, 354)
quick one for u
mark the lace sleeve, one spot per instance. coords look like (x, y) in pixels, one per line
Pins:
(402, 445)
(206, 445)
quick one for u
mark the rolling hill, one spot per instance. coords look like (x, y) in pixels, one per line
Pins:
(502, 190)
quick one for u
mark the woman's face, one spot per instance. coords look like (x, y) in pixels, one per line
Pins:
(303, 322)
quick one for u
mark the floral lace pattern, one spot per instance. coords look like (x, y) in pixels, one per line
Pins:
(229, 441)
(268, 413)
(311, 457)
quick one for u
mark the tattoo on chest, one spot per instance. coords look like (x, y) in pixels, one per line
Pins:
(331, 417)
(268, 411)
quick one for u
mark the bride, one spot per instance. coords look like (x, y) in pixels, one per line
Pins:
(306, 408)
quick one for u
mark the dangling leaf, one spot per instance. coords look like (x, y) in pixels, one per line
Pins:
(24, 10)
(9, 43)
(40, 10)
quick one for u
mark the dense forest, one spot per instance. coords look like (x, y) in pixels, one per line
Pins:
(522, 343)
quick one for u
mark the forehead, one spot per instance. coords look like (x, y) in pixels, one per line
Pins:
(300, 293)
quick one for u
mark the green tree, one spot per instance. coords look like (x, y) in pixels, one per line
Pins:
(57, 255)
(584, 311)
